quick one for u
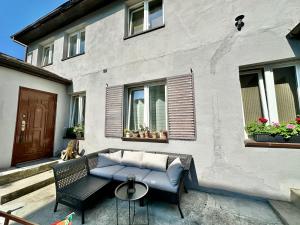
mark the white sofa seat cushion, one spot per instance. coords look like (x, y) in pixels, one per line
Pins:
(106, 172)
(159, 180)
(155, 161)
(132, 158)
(174, 171)
(109, 159)
(123, 174)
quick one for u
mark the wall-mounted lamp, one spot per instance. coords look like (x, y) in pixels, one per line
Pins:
(239, 22)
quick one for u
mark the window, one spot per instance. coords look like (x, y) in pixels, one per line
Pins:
(271, 93)
(29, 57)
(78, 110)
(147, 107)
(76, 43)
(47, 58)
(145, 16)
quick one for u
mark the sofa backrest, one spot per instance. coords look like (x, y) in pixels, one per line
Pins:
(184, 158)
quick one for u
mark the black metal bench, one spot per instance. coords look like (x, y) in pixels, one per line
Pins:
(74, 185)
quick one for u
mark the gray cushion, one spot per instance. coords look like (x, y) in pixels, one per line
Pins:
(132, 158)
(131, 171)
(155, 161)
(174, 171)
(106, 172)
(109, 159)
(159, 180)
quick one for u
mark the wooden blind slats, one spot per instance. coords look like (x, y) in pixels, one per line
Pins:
(181, 107)
(114, 111)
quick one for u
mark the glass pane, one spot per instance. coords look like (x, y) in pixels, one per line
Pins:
(251, 98)
(286, 93)
(51, 54)
(157, 104)
(75, 108)
(29, 58)
(137, 20)
(155, 14)
(73, 45)
(83, 110)
(46, 56)
(136, 109)
(82, 42)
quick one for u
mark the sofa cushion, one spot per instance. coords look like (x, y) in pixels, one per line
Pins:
(132, 158)
(159, 180)
(155, 161)
(131, 171)
(106, 172)
(174, 171)
(109, 159)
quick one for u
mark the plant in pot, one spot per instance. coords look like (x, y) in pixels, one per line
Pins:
(70, 133)
(163, 134)
(142, 131)
(154, 134)
(135, 133)
(147, 132)
(127, 133)
(79, 131)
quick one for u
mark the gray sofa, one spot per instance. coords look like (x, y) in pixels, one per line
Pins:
(158, 180)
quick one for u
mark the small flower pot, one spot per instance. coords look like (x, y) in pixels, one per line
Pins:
(294, 139)
(142, 135)
(127, 135)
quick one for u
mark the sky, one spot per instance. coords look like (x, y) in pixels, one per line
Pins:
(17, 14)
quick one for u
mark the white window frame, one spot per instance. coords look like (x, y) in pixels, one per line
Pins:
(146, 88)
(72, 107)
(78, 42)
(135, 8)
(29, 54)
(50, 56)
(267, 88)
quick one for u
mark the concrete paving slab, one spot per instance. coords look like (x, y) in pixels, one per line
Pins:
(287, 212)
(199, 209)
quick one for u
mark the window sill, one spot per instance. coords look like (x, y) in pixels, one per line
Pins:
(70, 57)
(70, 138)
(252, 143)
(144, 32)
(157, 140)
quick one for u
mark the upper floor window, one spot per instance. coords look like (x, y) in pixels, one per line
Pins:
(47, 57)
(272, 93)
(145, 16)
(29, 57)
(76, 43)
(147, 107)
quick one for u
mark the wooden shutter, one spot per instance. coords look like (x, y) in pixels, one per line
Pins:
(114, 111)
(181, 107)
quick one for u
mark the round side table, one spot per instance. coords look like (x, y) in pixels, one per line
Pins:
(141, 190)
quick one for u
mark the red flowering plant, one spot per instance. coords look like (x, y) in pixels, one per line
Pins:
(263, 120)
(297, 119)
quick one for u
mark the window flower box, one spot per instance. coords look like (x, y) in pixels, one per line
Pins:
(280, 133)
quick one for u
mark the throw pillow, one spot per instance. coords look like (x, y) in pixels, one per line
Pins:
(132, 158)
(109, 159)
(155, 161)
(174, 171)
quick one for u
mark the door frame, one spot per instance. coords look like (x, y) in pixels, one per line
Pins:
(17, 115)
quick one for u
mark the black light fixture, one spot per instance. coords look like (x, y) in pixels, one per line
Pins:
(239, 22)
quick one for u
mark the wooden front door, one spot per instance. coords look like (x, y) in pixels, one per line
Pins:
(34, 133)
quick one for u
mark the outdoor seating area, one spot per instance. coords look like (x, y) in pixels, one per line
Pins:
(79, 181)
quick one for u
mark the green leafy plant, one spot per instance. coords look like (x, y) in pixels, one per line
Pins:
(79, 130)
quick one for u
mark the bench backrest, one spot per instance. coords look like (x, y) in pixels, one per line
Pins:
(184, 158)
(70, 171)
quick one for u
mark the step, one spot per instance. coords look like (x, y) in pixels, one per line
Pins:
(32, 169)
(286, 211)
(11, 191)
(295, 197)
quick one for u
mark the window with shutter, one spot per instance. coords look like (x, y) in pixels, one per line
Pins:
(181, 107)
(114, 111)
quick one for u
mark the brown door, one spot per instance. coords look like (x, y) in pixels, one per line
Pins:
(34, 134)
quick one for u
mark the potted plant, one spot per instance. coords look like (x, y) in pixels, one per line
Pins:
(154, 134)
(163, 134)
(147, 132)
(135, 133)
(127, 133)
(142, 131)
(79, 131)
(70, 133)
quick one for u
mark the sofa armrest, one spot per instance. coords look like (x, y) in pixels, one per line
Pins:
(92, 158)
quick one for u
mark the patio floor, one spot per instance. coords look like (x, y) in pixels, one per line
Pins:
(198, 207)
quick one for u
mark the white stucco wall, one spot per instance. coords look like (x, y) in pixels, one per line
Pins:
(10, 81)
(200, 35)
